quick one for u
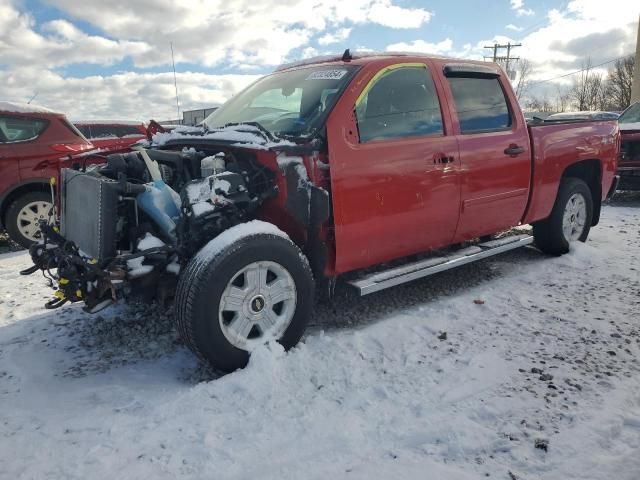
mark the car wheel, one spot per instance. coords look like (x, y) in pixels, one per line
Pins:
(570, 218)
(23, 217)
(255, 290)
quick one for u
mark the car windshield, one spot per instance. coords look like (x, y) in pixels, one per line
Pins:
(631, 115)
(291, 103)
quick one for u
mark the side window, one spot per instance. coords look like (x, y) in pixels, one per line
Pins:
(19, 129)
(401, 103)
(480, 103)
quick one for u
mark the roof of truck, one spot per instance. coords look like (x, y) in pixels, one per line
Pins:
(359, 58)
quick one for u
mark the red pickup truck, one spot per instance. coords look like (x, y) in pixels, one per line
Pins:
(374, 170)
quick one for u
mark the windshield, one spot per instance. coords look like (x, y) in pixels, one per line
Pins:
(293, 103)
(631, 115)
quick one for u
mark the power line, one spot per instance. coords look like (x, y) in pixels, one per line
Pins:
(578, 71)
(506, 59)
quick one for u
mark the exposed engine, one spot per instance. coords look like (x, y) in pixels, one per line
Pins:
(132, 223)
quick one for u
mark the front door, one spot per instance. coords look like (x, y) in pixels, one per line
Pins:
(395, 180)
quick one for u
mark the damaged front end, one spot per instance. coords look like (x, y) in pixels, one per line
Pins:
(127, 227)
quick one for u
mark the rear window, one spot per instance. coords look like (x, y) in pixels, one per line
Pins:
(108, 131)
(480, 103)
(20, 129)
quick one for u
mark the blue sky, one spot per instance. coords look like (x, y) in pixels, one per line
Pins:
(96, 58)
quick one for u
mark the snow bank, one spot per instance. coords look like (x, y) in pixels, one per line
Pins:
(537, 349)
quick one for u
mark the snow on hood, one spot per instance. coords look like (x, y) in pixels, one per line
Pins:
(629, 126)
(248, 136)
(23, 108)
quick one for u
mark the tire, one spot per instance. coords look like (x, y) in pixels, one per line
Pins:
(574, 198)
(20, 220)
(208, 329)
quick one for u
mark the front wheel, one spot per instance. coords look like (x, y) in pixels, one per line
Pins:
(256, 289)
(570, 218)
(24, 215)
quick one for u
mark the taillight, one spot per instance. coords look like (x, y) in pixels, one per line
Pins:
(72, 147)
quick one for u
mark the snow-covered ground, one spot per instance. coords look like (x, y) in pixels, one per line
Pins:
(537, 377)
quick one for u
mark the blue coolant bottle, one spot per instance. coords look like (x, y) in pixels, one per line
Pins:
(161, 203)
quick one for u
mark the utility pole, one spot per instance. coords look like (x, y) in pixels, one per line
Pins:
(507, 60)
(635, 85)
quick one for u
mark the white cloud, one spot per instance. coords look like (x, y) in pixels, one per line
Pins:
(525, 12)
(521, 11)
(420, 46)
(513, 27)
(335, 37)
(240, 31)
(61, 43)
(130, 95)
(247, 35)
(383, 12)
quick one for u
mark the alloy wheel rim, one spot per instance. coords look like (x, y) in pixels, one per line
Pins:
(257, 305)
(574, 218)
(29, 218)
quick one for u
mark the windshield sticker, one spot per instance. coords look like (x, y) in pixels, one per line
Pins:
(327, 75)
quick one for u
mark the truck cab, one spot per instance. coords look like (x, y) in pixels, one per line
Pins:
(373, 169)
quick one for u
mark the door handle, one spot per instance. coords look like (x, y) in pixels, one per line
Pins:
(513, 150)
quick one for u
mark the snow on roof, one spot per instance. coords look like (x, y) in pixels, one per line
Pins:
(16, 107)
(107, 122)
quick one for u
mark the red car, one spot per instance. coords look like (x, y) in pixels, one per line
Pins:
(629, 166)
(32, 141)
(372, 170)
(112, 136)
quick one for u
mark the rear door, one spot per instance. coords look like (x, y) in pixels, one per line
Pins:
(494, 151)
(395, 175)
(22, 134)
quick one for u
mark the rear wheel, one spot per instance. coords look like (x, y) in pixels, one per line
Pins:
(257, 289)
(24, 216)
(570, 219)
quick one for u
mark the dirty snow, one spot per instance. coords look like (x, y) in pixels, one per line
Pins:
(455, 377)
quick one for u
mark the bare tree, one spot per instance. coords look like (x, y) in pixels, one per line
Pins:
(524, 72)
(537, 104)
(563, 99)
(619, 83)
(588, 88)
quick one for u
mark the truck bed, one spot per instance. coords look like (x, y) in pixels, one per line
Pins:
(559, 144)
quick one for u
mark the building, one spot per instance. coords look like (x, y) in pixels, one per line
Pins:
(191, 117)
(194, 117)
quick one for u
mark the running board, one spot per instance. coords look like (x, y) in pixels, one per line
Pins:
(423, 268)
